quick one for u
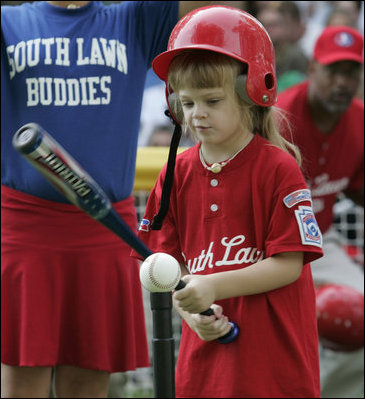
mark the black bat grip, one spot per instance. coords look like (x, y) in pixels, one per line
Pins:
(226, 338)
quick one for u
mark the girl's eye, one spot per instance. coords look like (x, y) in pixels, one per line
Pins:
(187, 104)
(213, 101)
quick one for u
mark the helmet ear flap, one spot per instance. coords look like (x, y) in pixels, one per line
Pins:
(240, 88)
(174, 105)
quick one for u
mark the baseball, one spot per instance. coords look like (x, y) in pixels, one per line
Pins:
(160, 272)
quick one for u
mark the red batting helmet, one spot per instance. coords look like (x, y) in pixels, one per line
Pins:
(340, 316)
(232, 32)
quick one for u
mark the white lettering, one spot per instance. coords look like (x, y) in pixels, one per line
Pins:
(84, 100)
(109, 52)
(62, 44)
(60, 91)
(70, 92)
(27, 54)
(73, 92)
(96, 57)
(33, 61)
(105, 89)
(191, 265)
(32, 90)
(323, 186)
(80, 59)
(208, 261)
(19, 57)
(92, 81)
(122, 58)
(47, 43)
(9, 51)
(229, 244)
(198, 264)
(45, 91)
(248, 255)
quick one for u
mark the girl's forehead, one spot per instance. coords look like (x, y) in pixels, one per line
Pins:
(201, 92)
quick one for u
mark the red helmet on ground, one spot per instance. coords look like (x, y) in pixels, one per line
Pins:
(340, 315)
(232, 32)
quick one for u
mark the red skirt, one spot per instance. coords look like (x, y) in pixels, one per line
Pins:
(70, 292)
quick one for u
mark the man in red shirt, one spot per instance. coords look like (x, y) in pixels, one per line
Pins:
(327, 123)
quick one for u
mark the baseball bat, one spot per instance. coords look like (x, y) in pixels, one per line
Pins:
(64, 172)
(66, 175)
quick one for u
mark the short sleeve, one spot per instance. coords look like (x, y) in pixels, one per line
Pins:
(293, 226)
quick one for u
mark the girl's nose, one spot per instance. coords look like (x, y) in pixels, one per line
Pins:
(199, 112)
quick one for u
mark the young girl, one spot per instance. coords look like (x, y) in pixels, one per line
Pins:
(240, 219)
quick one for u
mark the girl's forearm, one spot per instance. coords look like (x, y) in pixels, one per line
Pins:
(266, 275)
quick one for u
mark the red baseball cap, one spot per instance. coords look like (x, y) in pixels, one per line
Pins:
(339, 43)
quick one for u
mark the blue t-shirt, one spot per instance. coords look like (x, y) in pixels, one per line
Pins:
(80, 74)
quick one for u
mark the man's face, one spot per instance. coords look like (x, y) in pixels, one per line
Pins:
(335, 85)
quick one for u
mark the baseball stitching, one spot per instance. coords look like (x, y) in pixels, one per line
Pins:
(157, 283)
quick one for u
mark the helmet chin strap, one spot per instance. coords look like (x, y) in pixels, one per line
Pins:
(169, 177)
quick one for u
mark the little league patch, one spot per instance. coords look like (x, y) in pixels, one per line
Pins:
(308, 226)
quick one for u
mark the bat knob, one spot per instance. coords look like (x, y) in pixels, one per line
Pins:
(231, 335)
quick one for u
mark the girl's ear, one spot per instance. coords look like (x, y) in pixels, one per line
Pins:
(240, 88)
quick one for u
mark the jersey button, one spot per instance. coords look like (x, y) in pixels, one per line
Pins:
(322, 160)
(214, 182)
(214, 207)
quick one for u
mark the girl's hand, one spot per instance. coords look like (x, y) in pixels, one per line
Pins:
(210, 328)
(197, 296)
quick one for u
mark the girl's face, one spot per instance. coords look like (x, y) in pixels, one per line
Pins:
(212, 115)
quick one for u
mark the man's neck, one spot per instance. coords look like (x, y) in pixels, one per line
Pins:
(324, 120)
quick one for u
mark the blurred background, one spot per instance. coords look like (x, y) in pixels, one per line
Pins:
(293, 27)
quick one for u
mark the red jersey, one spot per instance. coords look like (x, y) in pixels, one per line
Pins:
(331, 162)
(257, 206)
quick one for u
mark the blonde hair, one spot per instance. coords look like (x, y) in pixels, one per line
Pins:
(200, 69)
